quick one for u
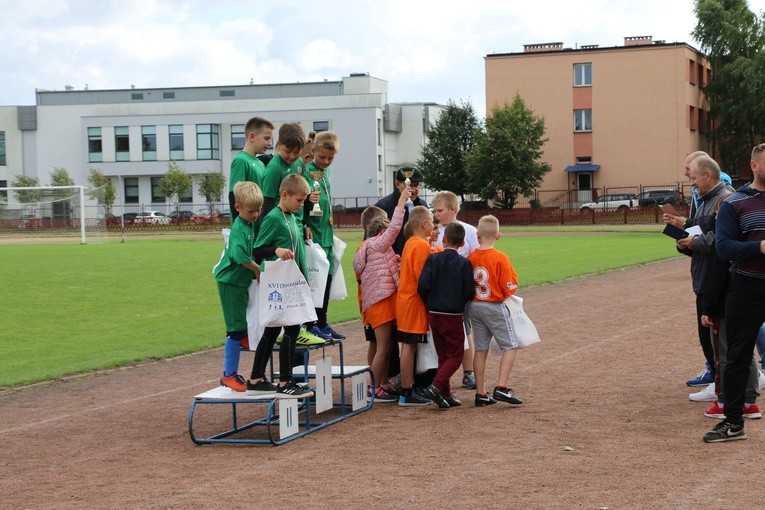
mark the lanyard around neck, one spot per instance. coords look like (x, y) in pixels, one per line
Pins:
(293, 241)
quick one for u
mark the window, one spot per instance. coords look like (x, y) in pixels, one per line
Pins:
(156, 196)
(582, 120)
(227, 93)
(95, 147)
(3, 184)
(168, 95)
(321, 125)
(149, 142)
(122, 143)
(208, 146)
(176, 142)
(188, 197)
(135, 96)
(237, 137)
(3, 161)
(131, 190)
(583, 75)
(584, 160)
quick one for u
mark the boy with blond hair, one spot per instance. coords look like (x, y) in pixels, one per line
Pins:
(411, 315)
(234, 273)
(495, 280)
(279, 237)
(446, 206)
(246, 166)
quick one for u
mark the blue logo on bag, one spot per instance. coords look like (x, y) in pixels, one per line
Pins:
(275, 296)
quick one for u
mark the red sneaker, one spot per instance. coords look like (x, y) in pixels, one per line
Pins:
(236, 382)
(245, 343)
(716, 412)
(752, 411)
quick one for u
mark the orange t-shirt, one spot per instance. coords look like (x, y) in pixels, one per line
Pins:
(493, 274)
(411, 314)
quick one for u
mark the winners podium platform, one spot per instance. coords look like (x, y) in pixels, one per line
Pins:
(286, 417)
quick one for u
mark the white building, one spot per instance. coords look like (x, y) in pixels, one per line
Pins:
(131, 135)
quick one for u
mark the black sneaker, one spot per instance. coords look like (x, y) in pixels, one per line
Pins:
(484, 400)
(413, 399)
(293, 390)
(468, 380)
(435, 395)
(725, 431)
(506, 395)
(422, 393)
(260, 387)
(453, 401)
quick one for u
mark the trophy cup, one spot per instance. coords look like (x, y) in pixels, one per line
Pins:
(316, 211)
(408, 182)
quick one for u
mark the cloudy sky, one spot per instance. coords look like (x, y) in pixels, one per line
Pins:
(426, 50)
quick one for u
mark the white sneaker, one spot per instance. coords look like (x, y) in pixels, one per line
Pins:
(761, 379)
(705, 395)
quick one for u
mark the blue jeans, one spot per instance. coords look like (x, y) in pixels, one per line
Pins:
(760, 343)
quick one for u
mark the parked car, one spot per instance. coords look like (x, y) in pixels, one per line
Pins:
(619, 201)
(659, 197)
(154, 217)
(204, 215)
(180, 216)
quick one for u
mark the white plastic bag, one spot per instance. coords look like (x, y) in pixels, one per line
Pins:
(523, 330)
(317, 269)
(338, 290)
(284, 295)
(427, 357)
(254, 325)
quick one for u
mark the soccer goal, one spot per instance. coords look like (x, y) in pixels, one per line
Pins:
(58, 212)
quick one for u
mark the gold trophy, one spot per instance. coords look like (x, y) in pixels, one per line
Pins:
(408, 182)
(316, 211)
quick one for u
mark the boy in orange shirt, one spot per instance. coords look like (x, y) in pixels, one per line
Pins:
(495, 280)
(411, 314)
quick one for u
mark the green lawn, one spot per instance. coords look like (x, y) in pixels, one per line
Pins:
(70, 308)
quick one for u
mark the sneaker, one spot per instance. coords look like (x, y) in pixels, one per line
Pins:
(705, 395)
(413, 399)
(453, 401)
(484, 400)
(245, 343)
(468, 380)
(308, 338)
(506, 395)
(236, 382)
(752, 411)
(716, 411)
(334, 335)
(724, 431)
(316, 331)
(705, 377)
(435, 395)
(382, 395)
(293, 390)
(261, 387)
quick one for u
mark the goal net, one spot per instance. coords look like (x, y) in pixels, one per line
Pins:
(72, 213)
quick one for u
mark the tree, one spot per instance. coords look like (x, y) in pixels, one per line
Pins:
(733, 37)
(176, 183)
(211, 187)
(443, 156)
(99, 181)
(60, 177)
(505, 160)
(24, 196)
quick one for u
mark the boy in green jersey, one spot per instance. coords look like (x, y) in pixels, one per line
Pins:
(279, 237)
(317, 173)
(233, 273)
(245, 166)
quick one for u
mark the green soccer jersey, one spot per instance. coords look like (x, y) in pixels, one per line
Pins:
(245, 167)
(282, 230)
(276, 171)
(321, 226)
(229, 268)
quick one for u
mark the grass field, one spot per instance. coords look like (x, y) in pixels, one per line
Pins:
(71, 308)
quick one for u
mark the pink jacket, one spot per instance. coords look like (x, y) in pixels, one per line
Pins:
(378, 265)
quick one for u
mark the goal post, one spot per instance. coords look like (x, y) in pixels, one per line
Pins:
(62, 212)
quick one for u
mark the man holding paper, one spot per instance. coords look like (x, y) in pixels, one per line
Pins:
(704, 174)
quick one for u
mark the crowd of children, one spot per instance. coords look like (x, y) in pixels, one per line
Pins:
(448, 280)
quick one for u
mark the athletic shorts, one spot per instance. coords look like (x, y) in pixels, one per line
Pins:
(491, 319)
(234, 300)
(412, 338)
(381, 312)
(369, 333)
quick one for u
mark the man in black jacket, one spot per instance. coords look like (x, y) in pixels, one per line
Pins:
(388, 203)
